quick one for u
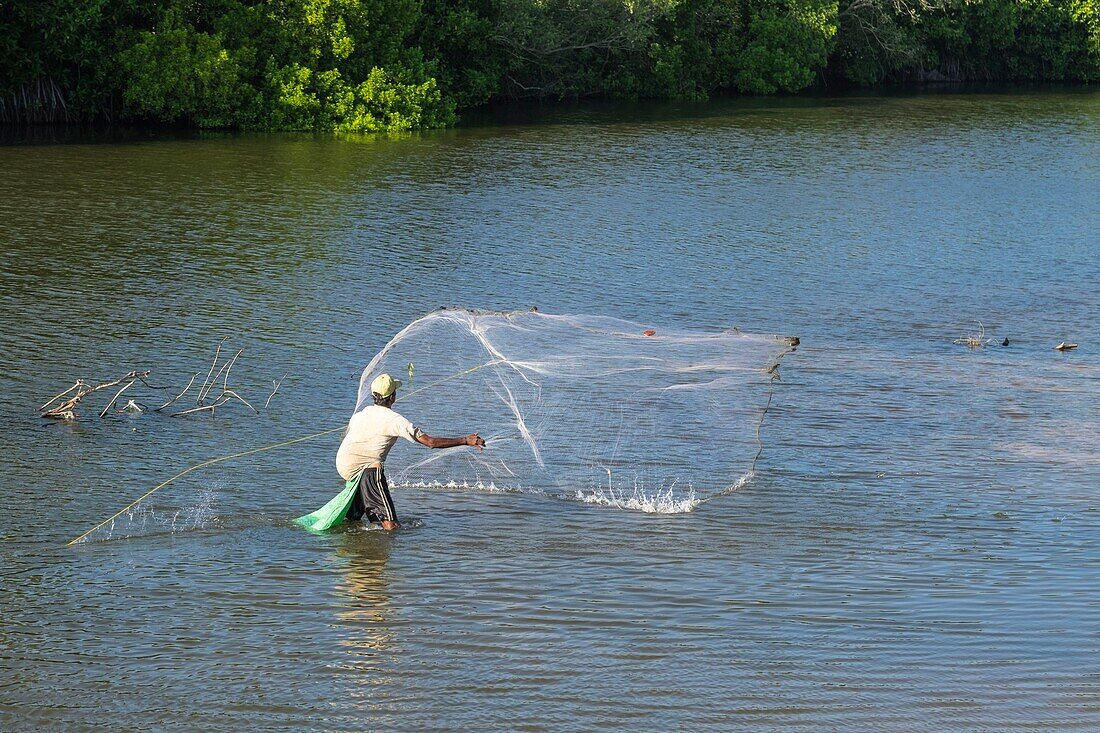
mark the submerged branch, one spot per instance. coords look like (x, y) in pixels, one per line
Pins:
(212, 406)
(115, 398)
(231, 393)
(974, 340)
(217, 353)
(274, 388)
(181, 394)
(225, 381)
(62, 405)
(55, 398)
(83, 389)
(205, 391)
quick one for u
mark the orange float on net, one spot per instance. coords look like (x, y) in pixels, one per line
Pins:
(649, 332)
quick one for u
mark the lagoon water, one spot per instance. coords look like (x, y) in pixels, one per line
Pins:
(917, 551)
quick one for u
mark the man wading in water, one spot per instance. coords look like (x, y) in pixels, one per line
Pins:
(371, 433)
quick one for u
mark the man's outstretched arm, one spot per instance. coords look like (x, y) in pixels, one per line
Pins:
(473, 440)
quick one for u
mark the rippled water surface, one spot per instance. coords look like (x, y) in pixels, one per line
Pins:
(918, 548)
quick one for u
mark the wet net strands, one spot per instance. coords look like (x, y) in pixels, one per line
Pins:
(592, 408)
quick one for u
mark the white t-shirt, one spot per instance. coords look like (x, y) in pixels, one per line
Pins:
(371, 433)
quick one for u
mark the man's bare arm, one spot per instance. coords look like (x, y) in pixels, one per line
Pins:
(473, 440)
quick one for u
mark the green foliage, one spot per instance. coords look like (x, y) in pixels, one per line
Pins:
(561, 48)
(697, 49)
(788, 44)
(396, 65)
(875, 41)
(176, 72)
(285, 65)
(1046, 40)
(383, 102)
(68, 45)
(460, 36)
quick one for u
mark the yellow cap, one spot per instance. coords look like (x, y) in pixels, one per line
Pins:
(384, 385)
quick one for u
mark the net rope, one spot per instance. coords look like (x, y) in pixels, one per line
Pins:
(591, 408)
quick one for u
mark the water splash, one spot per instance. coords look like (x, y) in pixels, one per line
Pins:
(736, 485)
(145, 520)
(674, 498)
(661, 501)
(465, 485)
(359, 527)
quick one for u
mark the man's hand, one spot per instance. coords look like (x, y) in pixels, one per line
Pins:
(473, 440)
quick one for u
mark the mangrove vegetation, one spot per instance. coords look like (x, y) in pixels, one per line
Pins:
(390, 65)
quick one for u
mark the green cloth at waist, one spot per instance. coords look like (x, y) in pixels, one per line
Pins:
(334, 511)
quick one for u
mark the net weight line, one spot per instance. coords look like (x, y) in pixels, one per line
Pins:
(774, 371)
(261, 449)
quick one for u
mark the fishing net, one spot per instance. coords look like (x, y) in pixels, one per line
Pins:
(590, 408)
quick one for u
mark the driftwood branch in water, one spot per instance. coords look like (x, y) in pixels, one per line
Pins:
(117, 395)
(229, 368)
(181, 394)
(83, 388)
(61, 406)
(974, 340)
(226, 368)
(55, 398)
(213, 375)
(274, 388)
(60, 415)
(212, 406)
(205, 391)
(231, 393)
(145, 381)
(217, 353)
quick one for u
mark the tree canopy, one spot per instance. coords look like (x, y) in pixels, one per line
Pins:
(392, 65)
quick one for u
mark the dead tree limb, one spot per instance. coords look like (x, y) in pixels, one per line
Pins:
(163, 387)
(217, 353)
(78, 385)
(62, 415)
(212, 406)
(61, 406)
(242, 399)
(181, 394)
(117, 395)
(205, 391)
(274, 388)
(229, 368)
(83, 389)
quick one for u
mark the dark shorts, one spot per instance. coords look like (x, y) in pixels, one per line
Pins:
(372, 500)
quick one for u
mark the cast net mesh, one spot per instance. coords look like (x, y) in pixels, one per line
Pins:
(582, 407)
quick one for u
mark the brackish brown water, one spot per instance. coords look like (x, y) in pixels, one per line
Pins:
(918, 550)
